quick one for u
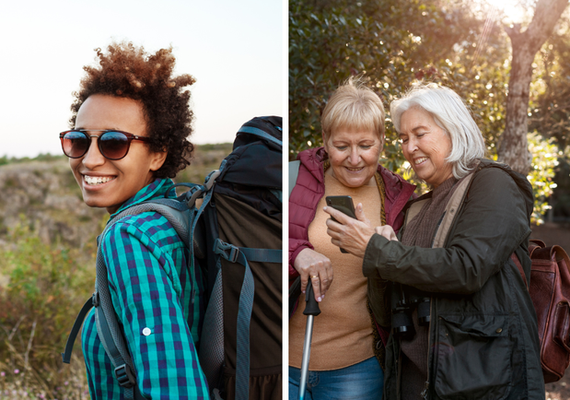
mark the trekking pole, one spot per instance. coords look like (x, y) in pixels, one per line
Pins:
(311, 310)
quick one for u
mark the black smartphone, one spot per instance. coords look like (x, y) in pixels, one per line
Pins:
(343, 204)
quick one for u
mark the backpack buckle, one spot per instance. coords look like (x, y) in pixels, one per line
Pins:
(95, 299)
(125, 376)
(212, 176)
(226, 250)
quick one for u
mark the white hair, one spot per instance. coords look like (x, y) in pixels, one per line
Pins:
(451, 115)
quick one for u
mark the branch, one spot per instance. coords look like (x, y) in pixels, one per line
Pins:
(29, 348)
(546, 15)
(513, 32)
(15, 328)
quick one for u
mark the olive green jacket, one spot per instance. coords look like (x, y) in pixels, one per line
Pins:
(483, 340)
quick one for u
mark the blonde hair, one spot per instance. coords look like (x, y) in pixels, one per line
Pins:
(353, 106)
(451, 115)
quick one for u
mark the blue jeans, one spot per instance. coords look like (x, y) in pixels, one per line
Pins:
(362, 381)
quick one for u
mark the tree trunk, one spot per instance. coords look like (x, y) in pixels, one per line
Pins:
(513, 148)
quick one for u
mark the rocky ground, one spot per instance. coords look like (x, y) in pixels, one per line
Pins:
(559, 234)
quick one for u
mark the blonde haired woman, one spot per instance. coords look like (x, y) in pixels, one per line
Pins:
(345, 338)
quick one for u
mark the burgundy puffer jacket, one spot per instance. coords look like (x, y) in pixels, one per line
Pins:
(310, 188)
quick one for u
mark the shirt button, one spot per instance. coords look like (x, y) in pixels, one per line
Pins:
(146, 331)
(499, 330)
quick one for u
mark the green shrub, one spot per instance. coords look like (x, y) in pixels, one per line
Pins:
(42, 288)
(544, 161)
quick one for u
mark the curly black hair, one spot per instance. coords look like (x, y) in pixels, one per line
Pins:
(128, 71)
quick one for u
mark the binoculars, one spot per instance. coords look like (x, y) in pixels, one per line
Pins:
(405, 300)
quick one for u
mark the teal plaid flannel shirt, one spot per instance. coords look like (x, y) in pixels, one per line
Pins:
(158, 304)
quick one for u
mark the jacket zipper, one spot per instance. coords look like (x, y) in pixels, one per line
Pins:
(425, 392)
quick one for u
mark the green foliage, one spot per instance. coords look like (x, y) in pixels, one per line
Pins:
(43, 286)
(328, 45)
(395, 44)
(392, 46)
(549, 111)
(544, 160)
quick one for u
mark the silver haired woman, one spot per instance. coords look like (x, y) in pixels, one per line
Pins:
(463, 323)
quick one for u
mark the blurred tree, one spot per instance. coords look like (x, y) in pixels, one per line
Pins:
(392, 45)
(328, 44)
(514, 148)
(549, 113)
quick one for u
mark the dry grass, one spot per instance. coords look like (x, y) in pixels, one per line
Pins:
(47, 249)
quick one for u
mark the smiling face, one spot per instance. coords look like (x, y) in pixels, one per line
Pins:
(353, 156)
(425, 146)
(106, 183)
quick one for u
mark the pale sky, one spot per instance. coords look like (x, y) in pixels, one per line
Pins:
(234, 49)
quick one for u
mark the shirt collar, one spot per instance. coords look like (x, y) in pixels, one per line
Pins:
(160, 188)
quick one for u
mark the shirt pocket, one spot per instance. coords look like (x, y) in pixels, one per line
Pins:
(473, 357)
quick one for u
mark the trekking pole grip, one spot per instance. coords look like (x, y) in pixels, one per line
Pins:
(312, 307)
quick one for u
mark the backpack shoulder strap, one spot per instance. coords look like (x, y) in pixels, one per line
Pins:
(66, 355)
(108, 327)
(451, 210)
(414, 210)
(260, 133)
(293, 174)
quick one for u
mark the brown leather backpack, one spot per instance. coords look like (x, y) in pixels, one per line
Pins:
(550, 293)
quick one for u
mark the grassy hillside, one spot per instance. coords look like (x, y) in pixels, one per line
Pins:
(47, 251)
(43, 193)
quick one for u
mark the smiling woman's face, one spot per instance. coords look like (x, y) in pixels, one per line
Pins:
(353, 156)
(426, 146)
(107, 183)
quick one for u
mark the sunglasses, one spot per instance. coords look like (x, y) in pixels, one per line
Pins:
(112, 144)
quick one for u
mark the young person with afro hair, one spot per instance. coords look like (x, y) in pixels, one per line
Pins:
(130, 123)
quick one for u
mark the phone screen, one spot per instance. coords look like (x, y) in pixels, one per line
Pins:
(344, 204)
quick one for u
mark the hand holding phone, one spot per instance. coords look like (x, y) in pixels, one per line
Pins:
(343, 204)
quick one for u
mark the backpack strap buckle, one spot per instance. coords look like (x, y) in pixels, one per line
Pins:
(226, 250)
(125, 376)
(95, 299)
(212, 176)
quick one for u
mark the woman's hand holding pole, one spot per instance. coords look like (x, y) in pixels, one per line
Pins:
(317, 267)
